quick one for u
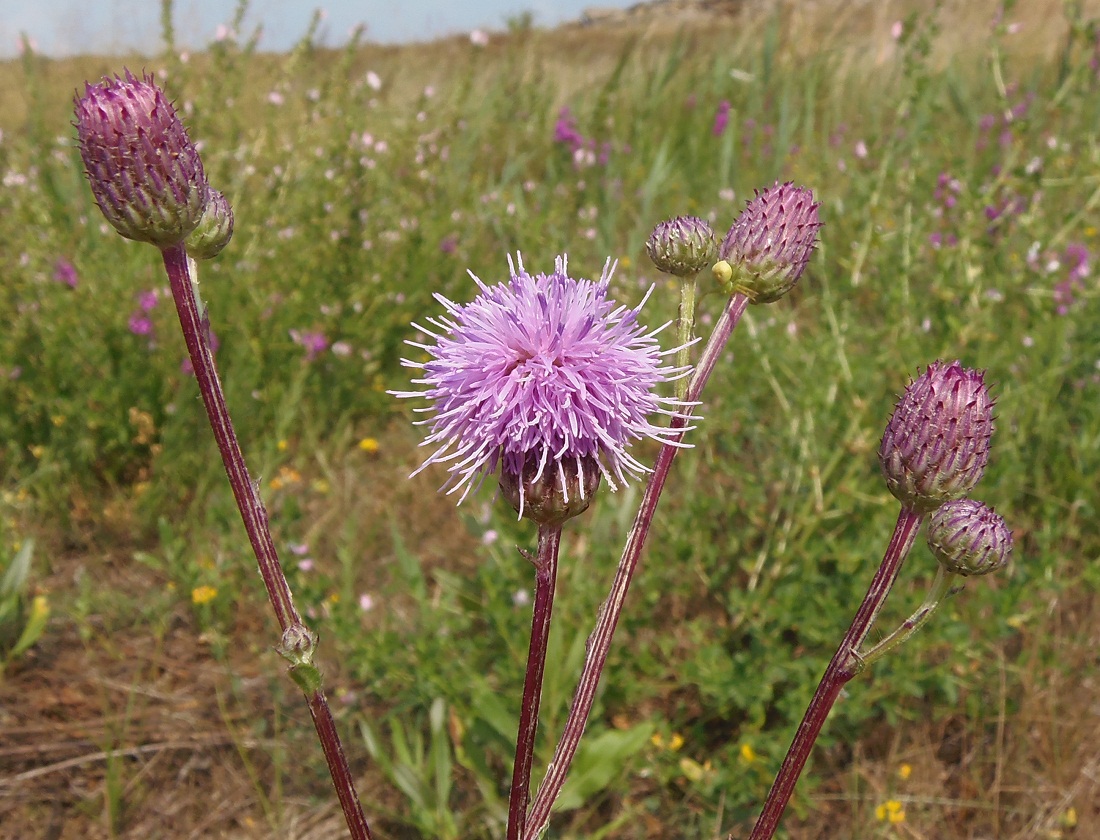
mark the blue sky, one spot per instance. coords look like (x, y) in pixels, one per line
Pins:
(64, 27)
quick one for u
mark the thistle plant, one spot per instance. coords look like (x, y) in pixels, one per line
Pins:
(147, 178)
(544, 379)
(544, 384)
(934, 451)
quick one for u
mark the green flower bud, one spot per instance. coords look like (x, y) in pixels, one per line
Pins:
(682, 246)
(552, 492)
(215, 228)
(770, 243)
(144, 171)
(968, 538)
(936, 444)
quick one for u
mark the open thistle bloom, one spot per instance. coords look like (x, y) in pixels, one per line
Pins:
(936, 444)
(968, 538)
(144, 171)
(542, 374)
(769, 244)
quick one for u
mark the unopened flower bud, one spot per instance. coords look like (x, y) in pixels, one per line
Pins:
(770, 243)
(144, 171)
(551, 493)
(968, 538)
(215, 228)
(936, 444)
(682, 246)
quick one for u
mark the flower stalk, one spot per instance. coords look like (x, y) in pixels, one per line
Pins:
(546, 573)
(298, 642)
(845, 664)
(599, 642)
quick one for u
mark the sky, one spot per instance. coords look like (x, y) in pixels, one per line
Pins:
(60, 28)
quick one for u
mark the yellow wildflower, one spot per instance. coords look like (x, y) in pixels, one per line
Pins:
(905, 771)
(748, 754)
(203, 595)
(890, 811)
(281, 445)
(676, 741)
(369, 444)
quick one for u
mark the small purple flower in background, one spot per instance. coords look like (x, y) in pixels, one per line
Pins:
(148, 299)
(1076, 259)
(65, 272)
(585, 151)
(315, 343)
(140, 324)
(540, 372)
(565, 130)
(448, 244)
(721, 118)
(945, 198)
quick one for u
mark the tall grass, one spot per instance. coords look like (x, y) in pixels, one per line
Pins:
(958, 185)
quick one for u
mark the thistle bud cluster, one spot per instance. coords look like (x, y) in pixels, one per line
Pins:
(145, 173)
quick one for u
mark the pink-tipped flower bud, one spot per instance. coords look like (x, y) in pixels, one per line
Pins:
(215, 228)
(144, 171)
(936, 444)
(682, 246)
(770, 243)
(968, 538)
(551, 492)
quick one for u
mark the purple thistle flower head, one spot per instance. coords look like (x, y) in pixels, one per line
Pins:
(542, 374)
(770, 243)
(968, 538)
(145, 173)
(936, 444)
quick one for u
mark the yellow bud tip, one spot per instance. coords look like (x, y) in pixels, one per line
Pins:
(723, 272)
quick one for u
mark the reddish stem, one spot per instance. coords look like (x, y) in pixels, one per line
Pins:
(546, 573)
(599, 643)
(844, 665)
(247, 496)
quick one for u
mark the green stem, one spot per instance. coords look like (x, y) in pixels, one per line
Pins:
(943, 587)
(685, 326)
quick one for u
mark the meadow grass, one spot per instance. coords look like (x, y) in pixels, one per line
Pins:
(958, 181)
